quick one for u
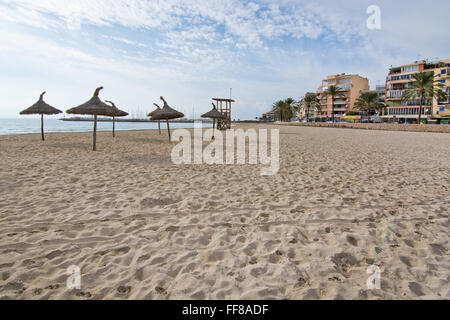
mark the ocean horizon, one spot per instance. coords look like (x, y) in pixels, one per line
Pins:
(14, 126)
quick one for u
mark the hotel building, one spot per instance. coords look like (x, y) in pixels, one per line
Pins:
(400, 78)
(353, 84)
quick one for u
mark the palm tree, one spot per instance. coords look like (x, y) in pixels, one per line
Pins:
(369, 101)
(309, 101)
(318, 107)
(284, 109)
(425, 86)
(278, 108)
(291, 106)
(334, 92)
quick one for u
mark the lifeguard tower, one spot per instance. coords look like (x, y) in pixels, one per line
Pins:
(224, 106)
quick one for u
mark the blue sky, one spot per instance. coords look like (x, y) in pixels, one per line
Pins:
(191, 51)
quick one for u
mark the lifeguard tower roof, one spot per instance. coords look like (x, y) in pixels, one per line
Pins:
(221, 99)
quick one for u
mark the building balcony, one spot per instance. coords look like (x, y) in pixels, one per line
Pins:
(395, 94)
(388, 80)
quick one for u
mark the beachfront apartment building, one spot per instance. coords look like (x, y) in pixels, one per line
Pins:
(380, 90)
(353, 85)
(268, 116)
(400, 78)
(304, 113)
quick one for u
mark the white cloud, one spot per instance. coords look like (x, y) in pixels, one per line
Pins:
(250, 23)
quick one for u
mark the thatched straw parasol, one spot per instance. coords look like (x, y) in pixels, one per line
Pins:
(117, 113)
(166, 113)
(41, 108)
(213, 114)
(96, 108)
(151, 114)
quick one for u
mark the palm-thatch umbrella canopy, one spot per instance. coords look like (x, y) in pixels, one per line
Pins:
(214, 114)
(117, 113)
(151, 114)
(41, 108)
(166, 113)
(96, 108)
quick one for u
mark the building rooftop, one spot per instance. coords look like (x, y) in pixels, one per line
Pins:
(343, 75)
(428, 65)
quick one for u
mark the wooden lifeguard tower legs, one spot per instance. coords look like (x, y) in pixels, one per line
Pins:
(224, 106)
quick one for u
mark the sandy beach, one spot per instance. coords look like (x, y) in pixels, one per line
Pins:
(140, 227)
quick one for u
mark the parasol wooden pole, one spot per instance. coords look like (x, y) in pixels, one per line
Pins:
(168, 128)
(114, 127)
(159, 126)
(42, 127)
(214, 125)
(95, 131)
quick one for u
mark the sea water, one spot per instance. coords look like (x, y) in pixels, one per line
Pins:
(33, 125)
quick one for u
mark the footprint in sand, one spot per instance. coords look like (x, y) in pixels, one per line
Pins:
(160, 290)
(344, 263)
(302, 282)
(52, 287)
(151, 202)
(82, 294)
(53, 254)
(258, 271)
(409, 243)
(37, 291)
(416, 289)
(406, 261)
(250, 250)
(124, 289)
(157, 260)
(437, 249)
(352, 241)
(142, 258)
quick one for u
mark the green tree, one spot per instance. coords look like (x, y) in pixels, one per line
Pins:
(284, 109)
(334, 92)
(425, 87)
(309, 101)
(369, 102)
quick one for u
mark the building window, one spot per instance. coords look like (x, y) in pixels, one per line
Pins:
(344, 86)
(410, 68)
(345, 80)
(402, 77)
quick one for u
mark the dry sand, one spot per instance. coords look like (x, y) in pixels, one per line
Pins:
(443, 128)
(140, 227)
